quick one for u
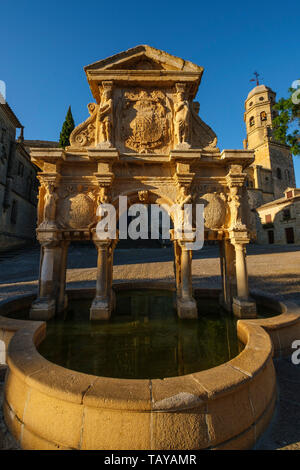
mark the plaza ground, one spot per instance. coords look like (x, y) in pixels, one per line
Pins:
(273, 270)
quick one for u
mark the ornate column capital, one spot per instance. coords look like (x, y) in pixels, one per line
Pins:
(239, 237)
(49, 238)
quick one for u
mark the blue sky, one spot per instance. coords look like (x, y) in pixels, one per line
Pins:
(44, 46)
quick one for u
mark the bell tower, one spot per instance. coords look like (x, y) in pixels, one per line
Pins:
(272, 170)
(258, 114)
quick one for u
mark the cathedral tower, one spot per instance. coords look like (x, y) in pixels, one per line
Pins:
(273, 169)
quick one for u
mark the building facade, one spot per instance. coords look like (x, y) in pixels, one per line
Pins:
(18, 185)
(280, 219)
(272, 171)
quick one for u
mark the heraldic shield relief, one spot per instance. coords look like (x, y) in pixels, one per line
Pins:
(145, 117)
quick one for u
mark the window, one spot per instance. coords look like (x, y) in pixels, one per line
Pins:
(263, 116)
(268, 218)
(279, 173)
(14, 212)
(270, 237)
(289, 235)
(20, 169)
(250, 104)
(286, 214)
(251, 121)
(261, 98)
(289, 194)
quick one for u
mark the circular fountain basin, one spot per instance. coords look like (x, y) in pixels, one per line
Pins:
(48, 406)
(144, 339)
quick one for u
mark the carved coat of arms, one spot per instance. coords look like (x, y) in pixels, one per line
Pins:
(145, 123)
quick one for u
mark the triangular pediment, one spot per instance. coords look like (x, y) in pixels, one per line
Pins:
(144, 58)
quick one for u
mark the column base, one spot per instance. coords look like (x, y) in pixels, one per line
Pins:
(42, 309)
(100, 310)
(187, 308)
(225, 304)
(113, 300)
(244, 308)
(62, 306)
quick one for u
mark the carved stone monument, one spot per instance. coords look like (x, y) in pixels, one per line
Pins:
(145, 139)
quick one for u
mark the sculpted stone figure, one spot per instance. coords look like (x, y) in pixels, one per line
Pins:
(182, 119)
(183, 198)
(50, 200)
(105, 119)
(143, 196)
(234, 204)
(104, 196)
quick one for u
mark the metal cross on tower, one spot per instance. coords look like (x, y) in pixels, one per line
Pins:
(256, 79)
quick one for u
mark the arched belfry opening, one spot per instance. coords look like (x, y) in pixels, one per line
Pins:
(145, 139)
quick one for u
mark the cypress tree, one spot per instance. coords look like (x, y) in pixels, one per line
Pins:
(66, 130)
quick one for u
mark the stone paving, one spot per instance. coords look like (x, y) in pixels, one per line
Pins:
(272, 269)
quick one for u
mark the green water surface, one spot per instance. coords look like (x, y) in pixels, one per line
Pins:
(143, 339)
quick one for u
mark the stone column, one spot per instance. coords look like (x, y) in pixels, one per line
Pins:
(111, 292)
(44, 307)
(177, 267)
(102, 303)
(228, 272)
(62, 301)
(186, 304)
(241, 272)
(243, 305)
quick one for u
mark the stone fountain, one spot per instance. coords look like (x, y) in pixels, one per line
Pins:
(144, 139)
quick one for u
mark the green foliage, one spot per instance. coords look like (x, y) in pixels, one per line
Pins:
(288, 115)
(68, 126)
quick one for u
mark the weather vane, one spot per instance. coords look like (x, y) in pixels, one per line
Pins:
(256, 79)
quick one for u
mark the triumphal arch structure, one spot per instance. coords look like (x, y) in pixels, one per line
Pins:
(143, 139)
